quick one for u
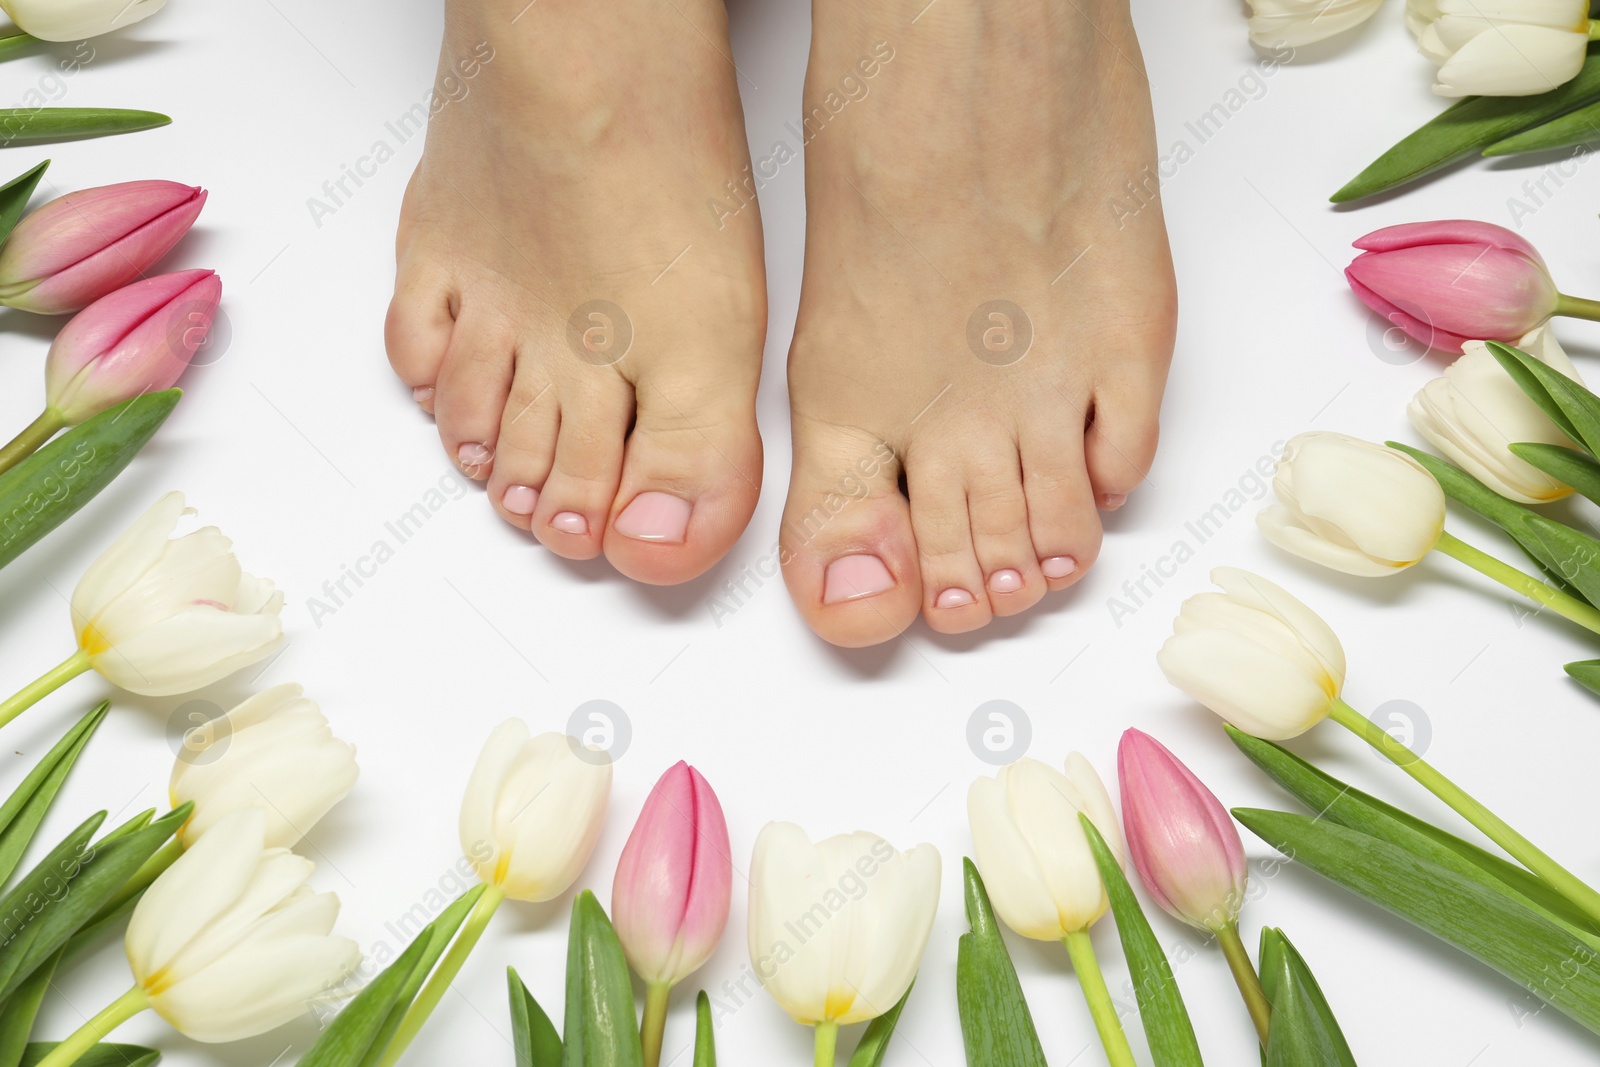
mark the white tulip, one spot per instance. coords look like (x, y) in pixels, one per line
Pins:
(838, 928)
(1503, 48)
(73, 20)
(1032, 851)
(159, 615)
(1301, 22)
(1352, 505)
(274, 752)
(1475, 411)
(533, 811)
(231, 942)
(1256, 656)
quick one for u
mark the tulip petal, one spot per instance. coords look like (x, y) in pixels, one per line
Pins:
(791, 930)
(897, 912)
(1256, 691)
(133, 553)
(249, 993)
(1016, 886)
(1511, 60)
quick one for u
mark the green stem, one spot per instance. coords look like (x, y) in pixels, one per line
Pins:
(433, 991)
(1541, 593)
(43, 686)
(33, 435)
(827, 1039)
(654, 1026)
(97, 1029)
(12, 42)
(1575, 306)
(1245, 977)
(1520, 848)
(1081, 949)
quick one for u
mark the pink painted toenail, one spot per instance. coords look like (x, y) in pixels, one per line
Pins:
(422, 394)
(1113, 501)
(954, 598)
(1006, 581)
(520, 500)
(473, 457)
(1058, 566)
(655, 516)
(854, 577)
(570, 522)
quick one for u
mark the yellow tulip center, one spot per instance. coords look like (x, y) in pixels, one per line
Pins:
(92, 641)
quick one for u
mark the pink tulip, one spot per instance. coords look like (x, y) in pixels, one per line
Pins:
(137, 340)
(1181, 840)
(79, 247)
(1446, 283)
(670, 899)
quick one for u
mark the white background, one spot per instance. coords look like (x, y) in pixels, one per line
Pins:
(298, 443)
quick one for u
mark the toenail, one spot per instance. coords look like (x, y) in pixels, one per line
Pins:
(954, 598)
(570, 522)
(1113, 501)
(422, 394)
(1006, 581)
(520, 500)
(655, 516)
(473, 457)
(854, 577)
(1058, 566)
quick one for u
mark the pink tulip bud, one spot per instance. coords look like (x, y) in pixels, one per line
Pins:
(79, 247)
(670, 899)
(137, 340)
(1181, 840)
(1450, 282)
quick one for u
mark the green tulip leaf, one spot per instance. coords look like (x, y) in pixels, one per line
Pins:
(705, 1039)
(1573, 408)
(601, 1027)
(1161, 1012)
(45, 125)
(874, 1043)
(1586, 672)
(1496, 927)
(1574, 128)
(14, 194)
(996, 1026)
(19, 1012)
(13, 43)
(1467, 128)
(1303, 1031)
(101, 1055)
(25, 808)
(533, 1035)
(42, 491)
(1567, 466)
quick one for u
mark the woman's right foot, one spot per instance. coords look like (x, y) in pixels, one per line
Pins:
(586, 331)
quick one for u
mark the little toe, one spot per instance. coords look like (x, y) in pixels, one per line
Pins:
(998, 511)
(416, 331)
(953, 599)
(575, 501)
(1120, 444)
(526, 445)
(471, 395)
(1062, 521)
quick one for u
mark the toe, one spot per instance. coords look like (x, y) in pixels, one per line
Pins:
(575, 502)
(953, 597)
(1062, 521)
(998, 511)
(526, 444)
(689, 484)
(1120, 443)
(847, 550)
(471, 394)
(416, 332)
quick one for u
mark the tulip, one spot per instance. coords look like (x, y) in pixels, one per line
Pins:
(74, 20)
(274, 752)
(1475, 411)
(838, 928)
(1446, 283)
(158, 615)
(229, 943)
(1034, 856)
(81, 246)
(139, 339)
(1510, 48)
(1256, 656)
(669, 902)
(1352, 505)
(1294, 23)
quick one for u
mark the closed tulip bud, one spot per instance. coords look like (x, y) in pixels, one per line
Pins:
(669, 902)
(74, 20)
(81, 246)
(1511, 48)
(231, 942)
(838, 928)
(137, 340)
(159, 615)
(1256, 656)
(1032, 851)
(274, 752)
(533, 811)
(1293, 23)
(1181, 839)
(1449, 282)
(1475, 411)
(1353, 506)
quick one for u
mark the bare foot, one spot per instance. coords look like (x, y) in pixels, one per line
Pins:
(984, 326)
(586, 332)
